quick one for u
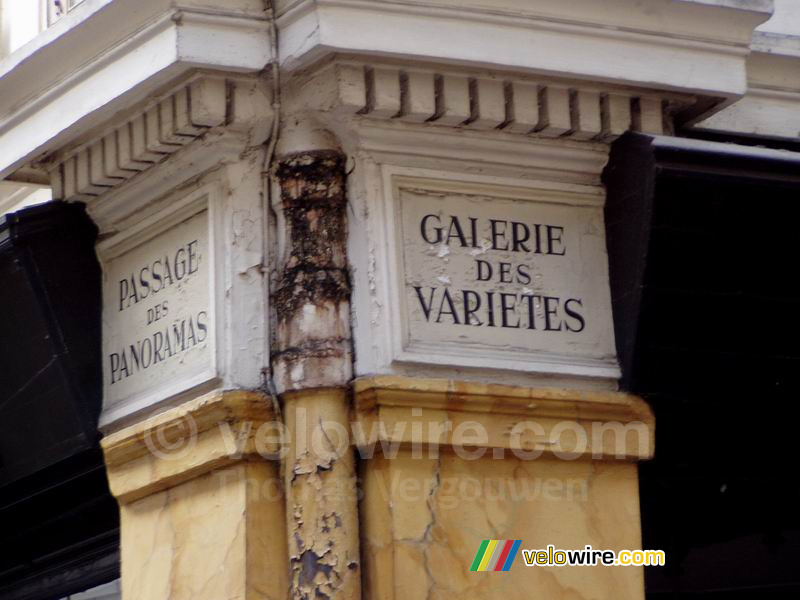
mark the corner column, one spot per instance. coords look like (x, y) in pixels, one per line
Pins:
(312, 367)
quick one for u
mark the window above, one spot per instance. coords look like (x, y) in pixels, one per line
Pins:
(22, 20)
(58, 8)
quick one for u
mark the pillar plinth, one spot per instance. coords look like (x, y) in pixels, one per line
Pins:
(447, 464)
(201, 502)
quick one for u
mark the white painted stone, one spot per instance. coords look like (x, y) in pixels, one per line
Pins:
(220, 179)
(446, 114)
(159, 325)
(490, 104)
(72, 78)
(385, 100)
(15, 196)
(588, 115)
(524, 279)
(125, 153)
(698, 47)
(477, 101)
(555, 117)
(651, 116)
(771, 107)
(455, 100)
(420, 100)
(617, 114)
(523, 108)
(97, 170)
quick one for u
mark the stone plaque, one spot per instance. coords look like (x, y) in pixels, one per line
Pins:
(158, 327)
(505, 276)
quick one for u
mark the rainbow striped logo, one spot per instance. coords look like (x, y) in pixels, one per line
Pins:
(495, 555)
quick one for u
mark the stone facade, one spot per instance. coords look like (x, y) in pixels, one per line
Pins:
(300, 134)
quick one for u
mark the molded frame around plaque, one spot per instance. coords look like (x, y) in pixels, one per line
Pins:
(405, 350)
(182, 208)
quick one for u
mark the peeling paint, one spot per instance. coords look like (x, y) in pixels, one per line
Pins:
(312, 365)
(312, 292)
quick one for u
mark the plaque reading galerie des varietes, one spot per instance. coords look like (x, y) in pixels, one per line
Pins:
(504, 277)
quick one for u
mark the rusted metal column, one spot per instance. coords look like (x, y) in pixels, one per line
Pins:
(312, 367)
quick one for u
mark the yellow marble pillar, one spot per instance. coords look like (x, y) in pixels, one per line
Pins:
(322, 496)
(444, 469)
(201, 502)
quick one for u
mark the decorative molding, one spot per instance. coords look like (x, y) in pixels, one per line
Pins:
(142, 141)
(540, 108)
(94, 64)
(498, 408)
(124, 166)
(135, 471)
(110, 55)
(699, 47)
(505, 156)
(769, 109)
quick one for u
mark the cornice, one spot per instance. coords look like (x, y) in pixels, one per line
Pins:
(107, 56)
(549, 38)
(202, 123)
(43, 109)
(525, 126)
(771, 107)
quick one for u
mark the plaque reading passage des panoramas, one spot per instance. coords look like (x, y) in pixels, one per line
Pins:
(158, 315)
(504, 277)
